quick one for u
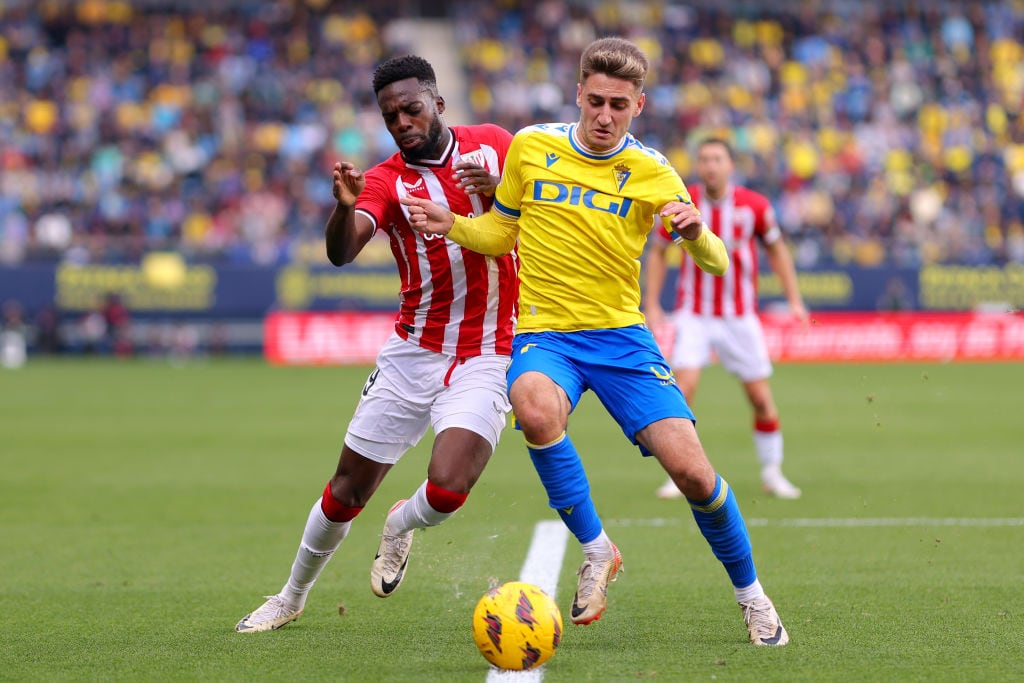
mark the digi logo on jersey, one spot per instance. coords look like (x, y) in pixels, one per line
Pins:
(574, 195)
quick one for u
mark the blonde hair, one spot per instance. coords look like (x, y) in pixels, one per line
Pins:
(615, 57)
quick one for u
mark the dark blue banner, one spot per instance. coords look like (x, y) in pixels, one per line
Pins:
(165, 286)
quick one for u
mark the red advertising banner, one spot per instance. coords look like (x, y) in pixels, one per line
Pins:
(355, 338)
(341, 338)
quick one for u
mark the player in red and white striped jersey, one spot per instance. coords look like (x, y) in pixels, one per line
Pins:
(720, 313)
(444, 366)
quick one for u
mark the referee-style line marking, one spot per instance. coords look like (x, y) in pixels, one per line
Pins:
(542, 566)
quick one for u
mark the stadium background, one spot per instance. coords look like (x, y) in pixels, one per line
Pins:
(164, 173)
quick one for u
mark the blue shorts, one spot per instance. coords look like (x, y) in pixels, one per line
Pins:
(624, 367)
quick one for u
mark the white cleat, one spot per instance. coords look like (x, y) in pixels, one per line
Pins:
(763, 622)
(272, 615)
(392, 558)
(668, 491)
(774, 483)
(591, 597)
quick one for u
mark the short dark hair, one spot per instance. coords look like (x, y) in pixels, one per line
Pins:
(616, 57)
(400, 68)
(715, 140)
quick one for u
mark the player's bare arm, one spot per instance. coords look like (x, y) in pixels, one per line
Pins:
(655, 267)
(781, 264)
(475, 179)
(346, 233)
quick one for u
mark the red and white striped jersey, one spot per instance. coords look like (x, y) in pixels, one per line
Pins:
(738, 218)
(453, 300)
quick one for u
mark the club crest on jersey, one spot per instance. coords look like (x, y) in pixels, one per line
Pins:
(622, 173)
(474, 157)
(413, 186)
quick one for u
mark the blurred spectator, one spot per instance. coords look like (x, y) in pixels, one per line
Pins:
(117, 322)
(135, 126)
(883, 132)
(49, 337)
(13, 347)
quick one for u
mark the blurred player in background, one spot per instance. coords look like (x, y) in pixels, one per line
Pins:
(444, 365)
(581, 199)
(720, 313)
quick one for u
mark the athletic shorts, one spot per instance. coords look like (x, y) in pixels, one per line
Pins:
(413, 388)
(623, 366)
(738, 342)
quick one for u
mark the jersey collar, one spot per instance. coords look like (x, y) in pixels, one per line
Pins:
(585, 151)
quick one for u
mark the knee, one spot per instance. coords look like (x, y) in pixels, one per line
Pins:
(348, 493)
(540, 411)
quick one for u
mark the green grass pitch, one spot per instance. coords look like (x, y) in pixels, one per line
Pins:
(145, 508)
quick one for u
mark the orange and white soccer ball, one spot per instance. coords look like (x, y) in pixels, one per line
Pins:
(517, 626)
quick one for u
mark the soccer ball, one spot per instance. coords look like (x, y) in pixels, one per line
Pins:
(517, 626)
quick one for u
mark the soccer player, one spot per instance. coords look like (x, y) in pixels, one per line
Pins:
(720, 313)
(581, 200)
(444, 365)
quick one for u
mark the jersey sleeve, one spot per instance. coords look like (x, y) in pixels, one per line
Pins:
(374, 201)
(766, 225)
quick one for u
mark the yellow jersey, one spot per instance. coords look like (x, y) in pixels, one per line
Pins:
(582, 219)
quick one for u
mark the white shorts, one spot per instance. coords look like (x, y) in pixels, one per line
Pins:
(413, 388)
(738, 342)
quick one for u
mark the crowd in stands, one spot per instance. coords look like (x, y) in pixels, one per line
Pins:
(882, 132)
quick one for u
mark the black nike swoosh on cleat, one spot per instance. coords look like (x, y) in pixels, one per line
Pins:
(576, 609)
(774, 640)
(387, 587)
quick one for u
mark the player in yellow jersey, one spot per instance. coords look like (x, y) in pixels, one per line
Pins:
(581, 199)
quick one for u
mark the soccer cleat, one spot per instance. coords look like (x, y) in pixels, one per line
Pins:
(392, 558)
(272, 615)
(668, 491)
(763, 622)
(773, 482)
(592, 591)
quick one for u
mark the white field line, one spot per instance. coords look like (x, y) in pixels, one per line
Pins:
(541, 568)
(827, 522)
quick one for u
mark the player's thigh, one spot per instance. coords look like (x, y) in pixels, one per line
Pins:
(741, 347)
(474, 399)
(554, 355)
(394, 410)
(634, 383)
(692, 346)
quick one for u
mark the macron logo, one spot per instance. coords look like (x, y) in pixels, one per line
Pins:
(413, 186)
(550, 158)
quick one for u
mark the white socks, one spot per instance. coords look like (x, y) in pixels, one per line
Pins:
(320, 539)
(600, 548)
(751, 592)
(769, 448)
(415, 513)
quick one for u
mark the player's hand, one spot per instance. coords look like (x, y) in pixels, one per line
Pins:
(799, 311)
(683, 219)
(426, 216)
(475, 179)
(349, 181)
